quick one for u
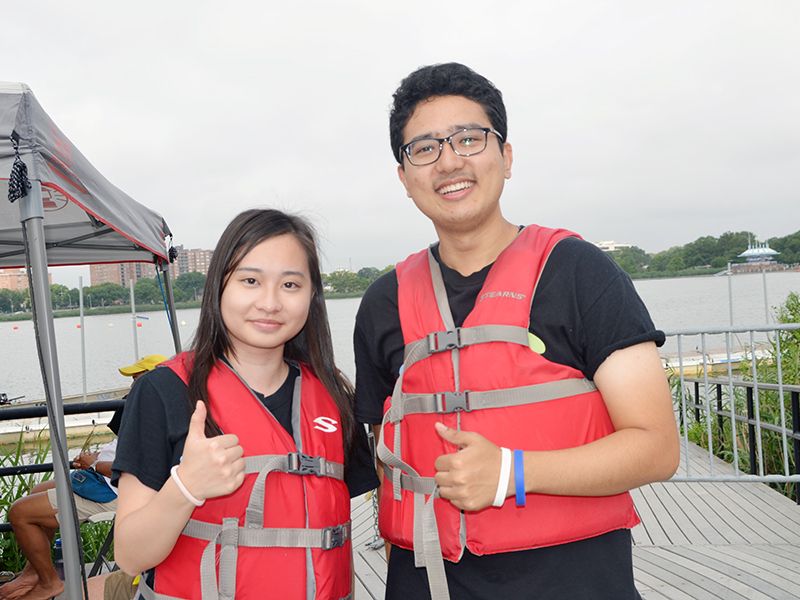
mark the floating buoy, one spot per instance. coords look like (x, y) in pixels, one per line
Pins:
(183, 323)
(15, 327)
(110, 324)
(79, 325)
(138, 324)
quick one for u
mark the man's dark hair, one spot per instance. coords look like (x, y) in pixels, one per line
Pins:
(448, 79)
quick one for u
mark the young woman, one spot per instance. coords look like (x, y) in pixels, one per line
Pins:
(235, 461)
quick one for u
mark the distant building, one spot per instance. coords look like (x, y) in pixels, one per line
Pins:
(187, 261)
(190, 261)
(611, 246)
(758, 257)
(121, 273)
(16, 280)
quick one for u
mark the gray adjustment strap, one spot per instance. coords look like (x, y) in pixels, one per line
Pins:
(327, 538)
(228, 554)
(448, 402)
(295, 463)
(461, 337)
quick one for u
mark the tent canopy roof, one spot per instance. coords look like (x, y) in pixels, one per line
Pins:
(86, 218)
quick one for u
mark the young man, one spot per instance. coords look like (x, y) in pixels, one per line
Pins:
(503, 339)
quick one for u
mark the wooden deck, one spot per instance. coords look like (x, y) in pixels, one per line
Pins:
(697, 541)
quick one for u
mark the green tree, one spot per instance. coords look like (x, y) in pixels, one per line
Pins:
(192, 284)
(344, 282)
(107, 294)
(147, 291)
(631, 260)
(676, 264)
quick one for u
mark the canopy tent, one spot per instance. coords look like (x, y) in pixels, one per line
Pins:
(87, 219)
(62, 211)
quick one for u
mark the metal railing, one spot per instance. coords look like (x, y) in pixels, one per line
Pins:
(16, 413)
(728, 411)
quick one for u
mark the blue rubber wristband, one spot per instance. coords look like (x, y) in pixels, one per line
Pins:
(519, 477)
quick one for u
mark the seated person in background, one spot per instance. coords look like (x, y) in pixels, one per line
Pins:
(34, 518)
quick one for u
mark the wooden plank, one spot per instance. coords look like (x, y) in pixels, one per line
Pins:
(674, 579)
(373, 586)
(672, 519)
(703, 509)
(735, 573)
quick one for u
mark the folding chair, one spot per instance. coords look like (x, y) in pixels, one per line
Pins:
(101, 554)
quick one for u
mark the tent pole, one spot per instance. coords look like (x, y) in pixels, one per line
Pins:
(32, 217)
(176, 337)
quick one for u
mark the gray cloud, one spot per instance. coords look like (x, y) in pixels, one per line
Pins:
(651, 124)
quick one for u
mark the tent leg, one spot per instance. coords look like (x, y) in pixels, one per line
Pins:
(176, 337)
(32, 218)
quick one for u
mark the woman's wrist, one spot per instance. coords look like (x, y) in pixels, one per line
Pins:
(186, 493)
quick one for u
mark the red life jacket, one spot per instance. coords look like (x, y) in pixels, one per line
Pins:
(505, 391)
(313, 509)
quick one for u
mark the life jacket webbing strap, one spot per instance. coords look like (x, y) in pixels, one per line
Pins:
(448, 402)
(461, 337)
(294, 462)
(148, 593)
(297, 463)
(327, 538)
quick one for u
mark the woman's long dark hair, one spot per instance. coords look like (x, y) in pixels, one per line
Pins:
(312, 345)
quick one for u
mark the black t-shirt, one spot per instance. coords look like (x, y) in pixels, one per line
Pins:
(584, 308)
(156, 421)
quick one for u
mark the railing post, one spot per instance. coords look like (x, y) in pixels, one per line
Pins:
(697, 401)
(751, 432)
(720, 422)
(796, 442)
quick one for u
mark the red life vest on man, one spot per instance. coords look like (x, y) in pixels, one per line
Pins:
(304, 505)
(574, 415)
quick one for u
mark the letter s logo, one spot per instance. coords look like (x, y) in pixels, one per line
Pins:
(325, 424)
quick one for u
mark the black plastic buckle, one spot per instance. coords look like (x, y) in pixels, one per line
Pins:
(448, 402)
(304, 464)
(333, 537)
(440, 341)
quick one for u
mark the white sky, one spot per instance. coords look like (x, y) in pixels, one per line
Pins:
(651, 123)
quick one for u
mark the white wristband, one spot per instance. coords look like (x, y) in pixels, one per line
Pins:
(174, 472)
(505, 473)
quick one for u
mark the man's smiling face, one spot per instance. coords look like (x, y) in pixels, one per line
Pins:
(457, 193)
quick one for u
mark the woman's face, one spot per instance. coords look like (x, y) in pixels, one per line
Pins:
(266, 300)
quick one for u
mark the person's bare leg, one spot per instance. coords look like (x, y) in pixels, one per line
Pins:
(34, 524)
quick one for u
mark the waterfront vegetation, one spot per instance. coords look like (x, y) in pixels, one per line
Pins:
(13, 487)
(704, 256)
(774, 408)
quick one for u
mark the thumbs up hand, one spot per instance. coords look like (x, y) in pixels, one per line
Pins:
(210, 467)
(468, 478)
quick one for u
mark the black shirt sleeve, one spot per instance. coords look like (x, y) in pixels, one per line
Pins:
(154, 428)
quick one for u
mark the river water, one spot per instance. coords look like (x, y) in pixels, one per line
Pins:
(681, 303)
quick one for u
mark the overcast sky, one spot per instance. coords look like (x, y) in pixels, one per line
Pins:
(650, 123)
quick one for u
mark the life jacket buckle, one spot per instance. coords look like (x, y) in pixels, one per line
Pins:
(304, 464)
(439, 341)
(448, 402)
(333, 537)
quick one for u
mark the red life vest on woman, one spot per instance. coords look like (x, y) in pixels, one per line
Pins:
(306, 506)
(561, 410)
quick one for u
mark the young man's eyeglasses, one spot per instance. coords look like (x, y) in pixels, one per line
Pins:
(464, 143)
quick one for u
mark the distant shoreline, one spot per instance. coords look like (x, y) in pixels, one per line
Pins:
(126, 308)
